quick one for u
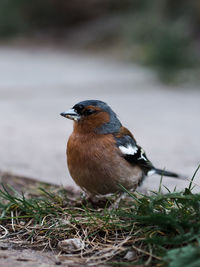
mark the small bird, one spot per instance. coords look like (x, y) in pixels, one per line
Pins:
(102, 154)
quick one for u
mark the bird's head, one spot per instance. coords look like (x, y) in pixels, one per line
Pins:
(93, 115)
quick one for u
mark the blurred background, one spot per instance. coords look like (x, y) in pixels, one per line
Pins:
(140, 56)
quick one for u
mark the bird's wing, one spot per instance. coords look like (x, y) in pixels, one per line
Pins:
(132, 152)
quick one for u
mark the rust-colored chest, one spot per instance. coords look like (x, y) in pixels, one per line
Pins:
(96, 165)
(92, 162)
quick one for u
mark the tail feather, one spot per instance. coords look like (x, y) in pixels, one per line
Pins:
(168, 173)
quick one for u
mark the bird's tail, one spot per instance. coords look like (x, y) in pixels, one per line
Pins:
(168, 173)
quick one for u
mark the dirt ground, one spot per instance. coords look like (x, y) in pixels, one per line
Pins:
(25, 257)
(14, 249)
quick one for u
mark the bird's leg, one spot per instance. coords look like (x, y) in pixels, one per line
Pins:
(93, 199)
(115, 204)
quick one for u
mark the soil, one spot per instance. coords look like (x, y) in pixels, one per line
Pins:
(15, 253)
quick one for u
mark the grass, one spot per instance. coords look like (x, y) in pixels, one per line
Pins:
(161, 229)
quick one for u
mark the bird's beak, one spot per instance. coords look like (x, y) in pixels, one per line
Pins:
(70, 114)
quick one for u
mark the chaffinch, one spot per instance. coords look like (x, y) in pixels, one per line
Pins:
(102, 154)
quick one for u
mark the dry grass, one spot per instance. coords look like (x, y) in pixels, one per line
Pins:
(143, 230)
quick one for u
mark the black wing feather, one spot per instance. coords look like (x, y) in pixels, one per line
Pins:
(137, 158)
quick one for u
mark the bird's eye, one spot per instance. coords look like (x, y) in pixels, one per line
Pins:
(89, 111)
(79, 108)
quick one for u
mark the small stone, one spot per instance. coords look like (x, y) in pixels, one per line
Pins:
(71, 245)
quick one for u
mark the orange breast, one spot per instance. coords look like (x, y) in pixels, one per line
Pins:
(96, 165)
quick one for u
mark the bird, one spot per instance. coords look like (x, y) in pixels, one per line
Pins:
(103, 156)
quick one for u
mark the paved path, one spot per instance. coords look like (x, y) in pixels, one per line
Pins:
(37, 84)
